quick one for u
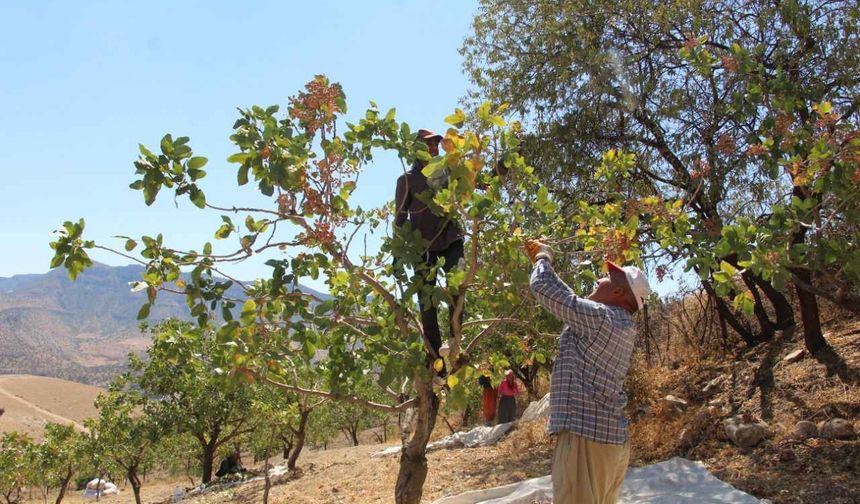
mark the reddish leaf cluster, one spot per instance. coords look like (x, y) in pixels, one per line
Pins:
(703, 168)
(730, 64)
(615, 243)
(660, 272)
(316, 107)
(726, 144)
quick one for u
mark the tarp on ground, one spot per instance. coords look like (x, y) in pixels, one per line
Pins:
(99, 488)
(536, 410)
(479, 436)
(674, 481)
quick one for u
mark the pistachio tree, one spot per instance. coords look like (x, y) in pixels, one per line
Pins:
(59, 457)
(740, 118)
(124, 434)
(189, 393)
(17, 457)
(306, 165)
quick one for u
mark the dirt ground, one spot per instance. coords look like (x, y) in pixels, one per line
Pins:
(782, 468)
(350, 475)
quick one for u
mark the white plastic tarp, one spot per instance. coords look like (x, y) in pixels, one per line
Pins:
(479, 436)
(536, 410)
(674, 481)
(99, 488)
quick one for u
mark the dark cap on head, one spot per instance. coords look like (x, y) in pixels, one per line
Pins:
(425, 134)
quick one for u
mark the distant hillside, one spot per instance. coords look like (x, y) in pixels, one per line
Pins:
(80, 331)
(32, 401)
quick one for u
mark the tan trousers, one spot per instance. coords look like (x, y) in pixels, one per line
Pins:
(585, 472)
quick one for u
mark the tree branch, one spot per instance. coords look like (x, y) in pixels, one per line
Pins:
(342, 397)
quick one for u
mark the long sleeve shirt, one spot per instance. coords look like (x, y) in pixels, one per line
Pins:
(409, 199)
(595, 347)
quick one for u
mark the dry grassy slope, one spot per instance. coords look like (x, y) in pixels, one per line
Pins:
(820, 470)
(759, 383)
(32, 401)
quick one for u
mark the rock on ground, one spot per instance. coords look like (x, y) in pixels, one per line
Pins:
(745, 435)
(837, 428)
(805, 429)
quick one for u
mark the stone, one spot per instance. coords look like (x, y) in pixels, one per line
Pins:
(786, 455)
(713, 386)
(805, 429)
(675, 404)
(745, 435)
(837, 428)
(794, 356)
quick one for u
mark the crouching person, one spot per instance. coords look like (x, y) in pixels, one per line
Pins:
(587, 419)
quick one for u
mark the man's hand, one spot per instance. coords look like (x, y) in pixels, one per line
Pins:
(535, 249)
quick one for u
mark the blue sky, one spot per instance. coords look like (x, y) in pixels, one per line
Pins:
(84, 82)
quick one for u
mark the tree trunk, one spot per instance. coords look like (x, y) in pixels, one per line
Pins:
(131, 475)
(299, 441)
(809, 315)
(268, 480)
(768, 328)
(727, 316)
(782, 308)
(351, 432)
(64, 484)
(288, 447)
(812, 337)
(413, 460)
(208, 461)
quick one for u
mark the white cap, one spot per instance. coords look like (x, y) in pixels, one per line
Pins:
(636, 280)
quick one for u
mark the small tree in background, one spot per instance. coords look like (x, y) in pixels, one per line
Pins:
(190, 393)
(125, 433)
(59, 457)
(17, 462)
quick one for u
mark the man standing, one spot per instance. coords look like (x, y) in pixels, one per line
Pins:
(442, 233)
(587, 401)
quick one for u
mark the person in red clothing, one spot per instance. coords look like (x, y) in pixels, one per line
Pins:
(488, 399)
(508, 392)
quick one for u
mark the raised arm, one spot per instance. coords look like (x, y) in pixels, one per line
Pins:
(582, 315)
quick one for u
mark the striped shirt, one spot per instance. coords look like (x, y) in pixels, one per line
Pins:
(586, 396)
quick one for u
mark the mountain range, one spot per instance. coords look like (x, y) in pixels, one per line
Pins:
(78, 330)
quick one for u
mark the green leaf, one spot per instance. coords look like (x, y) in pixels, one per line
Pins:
(197, 197)
(207, 249)
(242, 175)
(433, 167)
(196, 163)
(239, 157)
(130, 244)
(144, 311)
(146, 152)
(728, 268)
(453, 381)
(223, 231)
(249, 311)
(457, 118)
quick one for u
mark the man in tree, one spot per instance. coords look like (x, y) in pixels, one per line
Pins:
(413, 202)
(587, 402)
